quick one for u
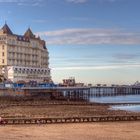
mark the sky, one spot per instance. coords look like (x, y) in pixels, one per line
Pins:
(95, 41)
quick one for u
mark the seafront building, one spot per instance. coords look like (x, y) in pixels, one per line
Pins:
(23, 57)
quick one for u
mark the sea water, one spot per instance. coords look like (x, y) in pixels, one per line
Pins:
(116, 99)
(120, 99)
(133, 108)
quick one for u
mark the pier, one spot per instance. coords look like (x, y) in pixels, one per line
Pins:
(70, 93)
(114, 90)
(79, 93)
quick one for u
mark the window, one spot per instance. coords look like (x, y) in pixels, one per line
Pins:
(13, 41)
(3, 47)
(2, 60)
(2, 53)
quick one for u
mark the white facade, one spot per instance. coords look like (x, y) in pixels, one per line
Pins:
(17, 73)
(23, 58)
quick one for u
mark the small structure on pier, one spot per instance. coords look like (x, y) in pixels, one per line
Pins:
(71, 82)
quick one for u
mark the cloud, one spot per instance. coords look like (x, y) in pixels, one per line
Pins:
(18, 1)
(78, 19)
(107, 67)
(126, 56)
(40, 21)
(30, 3)
(90, 36)
(77, 1)
(24, 2)
(85, 1)
(9, 1)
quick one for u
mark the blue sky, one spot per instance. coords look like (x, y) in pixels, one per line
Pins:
(96, 41)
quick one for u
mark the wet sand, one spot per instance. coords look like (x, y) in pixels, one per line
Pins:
(83, 131)
(42, 109)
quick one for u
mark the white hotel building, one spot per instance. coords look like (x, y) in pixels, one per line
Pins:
(23, 57)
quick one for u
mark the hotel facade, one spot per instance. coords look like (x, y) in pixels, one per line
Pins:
(23, 57)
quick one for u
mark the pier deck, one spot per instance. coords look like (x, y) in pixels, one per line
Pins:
(73, 93)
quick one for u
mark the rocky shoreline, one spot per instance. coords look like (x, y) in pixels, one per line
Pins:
(53, 109)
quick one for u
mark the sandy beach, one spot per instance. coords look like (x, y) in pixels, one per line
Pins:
(77, 131)
(85, 131)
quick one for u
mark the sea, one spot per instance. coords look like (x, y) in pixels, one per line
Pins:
(129, 99)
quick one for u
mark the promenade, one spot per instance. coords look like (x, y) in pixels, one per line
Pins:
(84, 131)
